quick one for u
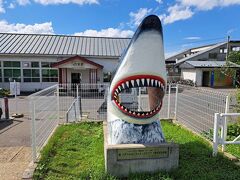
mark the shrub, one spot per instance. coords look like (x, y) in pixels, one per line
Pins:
(4, 92)
(232, 132)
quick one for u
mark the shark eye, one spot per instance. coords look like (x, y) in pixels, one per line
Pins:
(126, 94)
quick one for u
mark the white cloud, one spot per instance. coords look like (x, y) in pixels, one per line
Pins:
(185, 9)
(11, 6)
(159, 1)
(80, 2)
(2, 10)
(192, 38)
(187, 45)
(176, 13)
(44, 28)
(172, 53)
(137, 17)
(110, 32)
(230, 31)
(208, 4)
(23, 2)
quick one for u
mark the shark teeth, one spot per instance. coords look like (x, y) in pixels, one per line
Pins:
(135, 83)
(139, 83)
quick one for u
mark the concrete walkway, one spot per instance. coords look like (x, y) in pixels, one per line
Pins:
(15, 142)
(13, 161)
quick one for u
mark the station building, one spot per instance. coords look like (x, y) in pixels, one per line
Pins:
(38, 61)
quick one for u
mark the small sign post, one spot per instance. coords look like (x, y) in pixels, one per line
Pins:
(15, 90)
(6, 108)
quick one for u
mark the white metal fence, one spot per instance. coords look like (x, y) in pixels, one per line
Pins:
(195, 108)
(82, 102)
(44, 112)
(191, 106)
(74, 113)
(220, 131)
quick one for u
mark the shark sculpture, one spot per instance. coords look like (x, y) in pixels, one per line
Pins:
(142, 65)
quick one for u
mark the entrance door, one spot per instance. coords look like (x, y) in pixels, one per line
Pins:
(206, 78)
(76, 78)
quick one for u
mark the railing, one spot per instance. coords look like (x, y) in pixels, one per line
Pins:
(74, 113)
(138, 99)
(220, 131)
(91, 101)
(191, 106)
(195, 108)
(44, 112)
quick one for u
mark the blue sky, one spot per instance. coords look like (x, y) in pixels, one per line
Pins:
(186, 23)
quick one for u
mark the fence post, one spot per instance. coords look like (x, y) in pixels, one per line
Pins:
(169, 100)
(224, 124)
(75, 111)
(34, 148)
(78, 102)
(215, 133)
(176, 99)
(139, 99)
(58, 104)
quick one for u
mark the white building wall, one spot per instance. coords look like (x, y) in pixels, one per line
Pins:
(109, 65)
(189, 74)
(199, 77)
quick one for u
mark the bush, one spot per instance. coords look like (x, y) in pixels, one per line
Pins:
(233, 131)
(186, 82)
(4, 92)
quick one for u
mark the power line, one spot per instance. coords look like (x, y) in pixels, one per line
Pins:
(195, 42)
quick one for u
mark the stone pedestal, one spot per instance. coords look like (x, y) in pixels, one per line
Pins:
(123, 159)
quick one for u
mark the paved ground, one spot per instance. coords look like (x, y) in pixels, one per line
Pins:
(15, 150)
(13, 161)
(16, 132)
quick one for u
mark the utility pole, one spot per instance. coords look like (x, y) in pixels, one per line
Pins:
(228, 40)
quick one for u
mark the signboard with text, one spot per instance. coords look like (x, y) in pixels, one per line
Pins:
(15, 88)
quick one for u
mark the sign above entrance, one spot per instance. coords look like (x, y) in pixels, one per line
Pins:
(77, 64)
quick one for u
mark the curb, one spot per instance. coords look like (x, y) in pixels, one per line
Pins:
(28, 173)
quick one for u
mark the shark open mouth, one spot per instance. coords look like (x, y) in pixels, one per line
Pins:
(154, 83)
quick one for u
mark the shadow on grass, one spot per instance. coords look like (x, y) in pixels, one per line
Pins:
(196, 161)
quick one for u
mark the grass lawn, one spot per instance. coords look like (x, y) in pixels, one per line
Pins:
(76, 152)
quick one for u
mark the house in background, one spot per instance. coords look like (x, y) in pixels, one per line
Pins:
(38, 61)
(203, 64)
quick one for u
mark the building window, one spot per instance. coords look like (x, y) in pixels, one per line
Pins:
(212, 55)
(107, 77)
(31, 72)
(49, 75)
(47, 64)
(0, 74)
(223, 50)
(31, 75)
(235, 48)
(30, 64)
(11, 64)
(12, 71)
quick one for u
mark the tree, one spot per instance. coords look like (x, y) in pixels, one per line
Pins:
(231, 60)
(234, 57)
